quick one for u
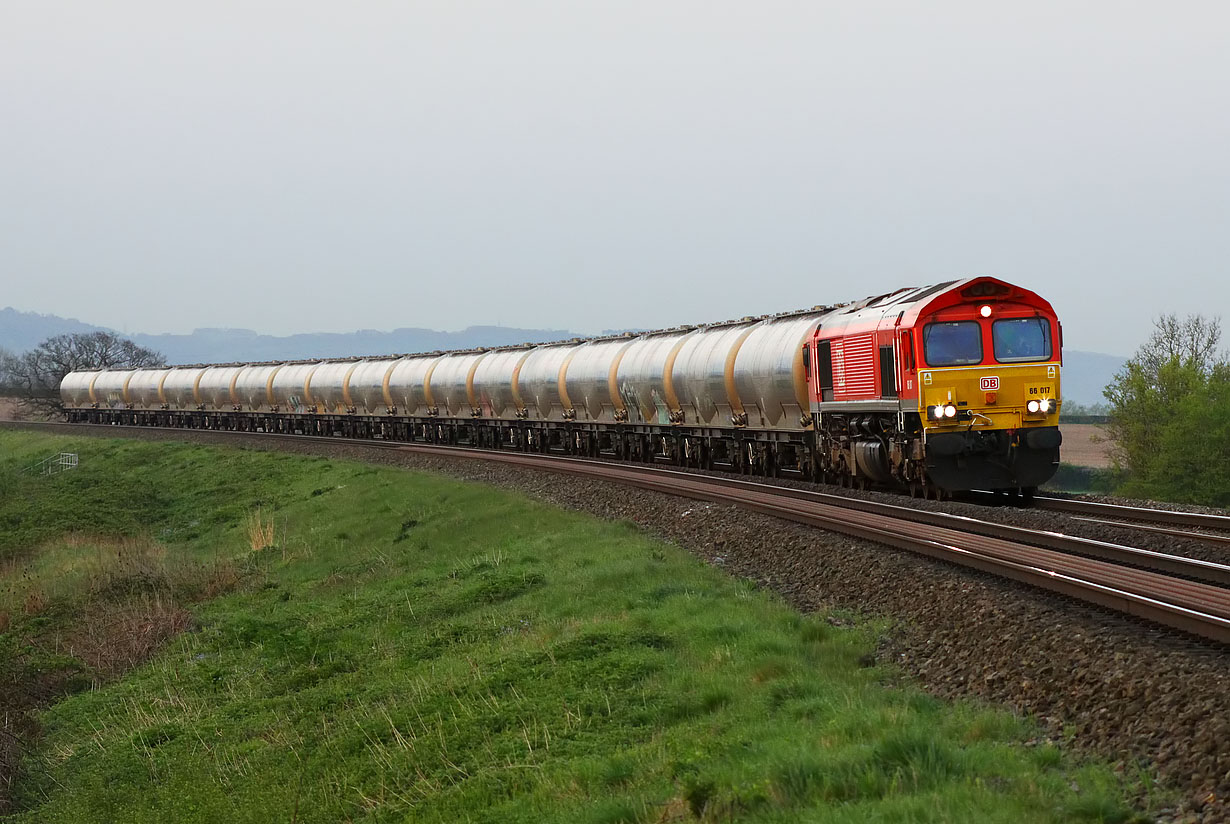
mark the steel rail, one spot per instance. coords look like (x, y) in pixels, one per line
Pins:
(1207, 571)
(1133, 513)
(1193, 607)
(1205, 537)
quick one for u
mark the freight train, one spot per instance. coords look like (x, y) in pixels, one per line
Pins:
(935, 389)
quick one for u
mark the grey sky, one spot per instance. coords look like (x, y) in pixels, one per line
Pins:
(310, 166)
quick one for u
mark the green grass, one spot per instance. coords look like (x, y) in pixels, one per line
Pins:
(410, 648)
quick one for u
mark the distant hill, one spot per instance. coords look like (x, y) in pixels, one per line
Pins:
(1084, 374)
(20, 331)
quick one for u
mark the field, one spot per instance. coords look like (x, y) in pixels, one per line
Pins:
(201, 634)
(1084, 445)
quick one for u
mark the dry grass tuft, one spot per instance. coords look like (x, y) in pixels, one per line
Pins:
(34, 603)
(259, 530)
(222, 577)
(113, 638)
(676, 809)
(6, 620)
(81, 564)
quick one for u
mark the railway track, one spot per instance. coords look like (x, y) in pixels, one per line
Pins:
(1134, 518)
(1182, 593)
(1103, 511)
(1203, 537)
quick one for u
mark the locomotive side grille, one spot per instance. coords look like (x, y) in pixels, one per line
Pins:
(854, 366)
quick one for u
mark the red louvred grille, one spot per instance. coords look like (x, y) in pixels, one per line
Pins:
(854, 367)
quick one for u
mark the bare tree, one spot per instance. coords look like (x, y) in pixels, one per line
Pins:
(35, 375)
(5, 357)
(1190, 343)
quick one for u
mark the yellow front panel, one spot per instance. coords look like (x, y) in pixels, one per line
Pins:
(967, 387)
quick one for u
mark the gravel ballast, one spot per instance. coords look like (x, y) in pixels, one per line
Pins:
(1097, 681)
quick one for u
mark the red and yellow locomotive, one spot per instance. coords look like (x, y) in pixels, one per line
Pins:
(955, 386)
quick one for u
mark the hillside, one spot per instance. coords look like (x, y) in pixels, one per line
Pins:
(245, 636)
(1086, 373)
(20, 331)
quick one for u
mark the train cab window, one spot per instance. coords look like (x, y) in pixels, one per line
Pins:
(1018, 340)
(955, 343)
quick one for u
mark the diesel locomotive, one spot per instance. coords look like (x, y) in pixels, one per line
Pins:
(935, 389)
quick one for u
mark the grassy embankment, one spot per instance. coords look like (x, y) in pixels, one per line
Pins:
(1087, 480)
(385, 646)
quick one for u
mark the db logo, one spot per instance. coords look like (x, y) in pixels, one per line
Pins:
(990, 384)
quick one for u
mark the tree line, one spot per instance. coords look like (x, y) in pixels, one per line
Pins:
(34, 376)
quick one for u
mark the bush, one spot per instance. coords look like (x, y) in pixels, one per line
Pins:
(1190, 464)
(1073, 478)
(1170, 415)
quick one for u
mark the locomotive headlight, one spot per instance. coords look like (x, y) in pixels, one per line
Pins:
(985, 311)
(941, 411)
(1046, 405)
(1033, 407)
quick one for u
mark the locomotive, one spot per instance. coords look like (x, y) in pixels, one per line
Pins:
(933, 389)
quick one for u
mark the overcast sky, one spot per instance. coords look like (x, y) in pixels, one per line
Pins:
(312, 166)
